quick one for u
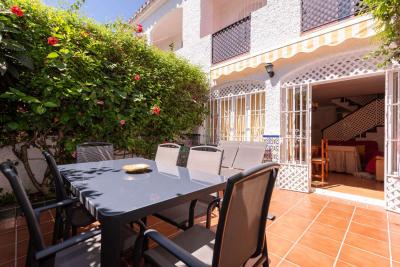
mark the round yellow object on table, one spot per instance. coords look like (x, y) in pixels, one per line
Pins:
(136, 168)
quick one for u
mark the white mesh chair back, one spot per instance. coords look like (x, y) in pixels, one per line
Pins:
(230, 150)
(168, 154)
(250, 154)
(205, 158)
(94, 151)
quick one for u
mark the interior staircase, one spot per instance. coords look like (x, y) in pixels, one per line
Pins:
(358, 118)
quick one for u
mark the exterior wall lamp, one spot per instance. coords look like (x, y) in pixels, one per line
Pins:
(269, 67)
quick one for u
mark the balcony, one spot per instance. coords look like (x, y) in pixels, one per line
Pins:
(316, 13)
(231, 41)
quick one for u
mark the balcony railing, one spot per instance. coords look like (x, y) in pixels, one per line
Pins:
(231, 41)
(316, 13)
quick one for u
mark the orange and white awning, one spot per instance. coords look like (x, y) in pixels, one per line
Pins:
(361, 29)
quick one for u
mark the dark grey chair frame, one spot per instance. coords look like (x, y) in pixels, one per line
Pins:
(38, 253)
(214, 203)
(261, 249)
(104, 155)
(64, 221)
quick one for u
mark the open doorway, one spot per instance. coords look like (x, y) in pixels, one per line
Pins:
(348, 131)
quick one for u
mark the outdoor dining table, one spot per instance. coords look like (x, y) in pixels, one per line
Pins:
(116, 198)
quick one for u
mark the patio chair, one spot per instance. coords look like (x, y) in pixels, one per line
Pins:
(230, 150)
(168, 154)
(249, 154)
(94, 151)
(205, 159)
(81, 250)
(73, 216)
(240, 234)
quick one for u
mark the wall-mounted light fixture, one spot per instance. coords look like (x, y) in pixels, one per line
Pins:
(269, 67)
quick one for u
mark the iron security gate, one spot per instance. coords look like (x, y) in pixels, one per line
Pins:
(295, 155)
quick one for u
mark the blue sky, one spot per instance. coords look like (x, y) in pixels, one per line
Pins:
(103, 10)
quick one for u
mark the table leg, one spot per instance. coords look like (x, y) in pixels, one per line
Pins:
(111, 243)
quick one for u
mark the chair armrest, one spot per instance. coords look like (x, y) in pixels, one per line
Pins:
(66, 202)
(52, 250)
(174, 249)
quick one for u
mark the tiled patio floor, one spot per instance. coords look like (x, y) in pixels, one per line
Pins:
(310, 230)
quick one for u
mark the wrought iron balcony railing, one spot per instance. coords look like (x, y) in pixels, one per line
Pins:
(231, 41)
(316, 13)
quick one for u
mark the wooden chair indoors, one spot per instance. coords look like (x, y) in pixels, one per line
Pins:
(320, 161)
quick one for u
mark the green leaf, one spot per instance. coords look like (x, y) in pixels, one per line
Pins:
(39, 109)
(50, 104)
(12, 45)
(13, 125)
(52, 55)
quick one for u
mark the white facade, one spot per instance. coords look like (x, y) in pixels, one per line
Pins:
(305, 52)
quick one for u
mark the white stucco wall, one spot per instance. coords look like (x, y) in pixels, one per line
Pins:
(275, 24)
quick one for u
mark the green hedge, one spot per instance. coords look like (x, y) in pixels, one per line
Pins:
(94, 82)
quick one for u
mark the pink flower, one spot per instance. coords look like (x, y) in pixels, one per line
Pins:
(155, 110)
(52, 41)
(100, 102)
(73, 154)
(137, 77)
(122, 122)
(17, 11)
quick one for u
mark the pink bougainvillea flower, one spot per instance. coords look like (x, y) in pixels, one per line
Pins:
(52, 41)
(139, 28)
(137, 77)
(100, 102)
(17, 11)
(73, 154)
(156, 110)
(122, 122)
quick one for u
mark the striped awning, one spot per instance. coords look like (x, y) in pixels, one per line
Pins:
(360, 29)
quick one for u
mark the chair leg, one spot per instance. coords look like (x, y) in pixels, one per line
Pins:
(74, 230)
(191, 213)
(57, 230)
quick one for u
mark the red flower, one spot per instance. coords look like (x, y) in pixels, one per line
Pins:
(155, 110)
(137, 77)
(100, 102)
(17, 11)
(52, 41)
(139, 28)
(122, 122)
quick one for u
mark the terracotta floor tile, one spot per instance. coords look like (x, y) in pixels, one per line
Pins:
(395, 238)
(396, 253)
(7, 253)
(339, 206)
(371, 212)
(327, 231)
(10, 263)
(369, 244)
(333, 221)
(295, 220)
(273, 260)
(395, 264)
(304, 256)
(7, 238)
(336, 213)
(395, 227)
(278, 245)
(286, 231)
(306, 213)
(373, 221)
(7, 225)
(320, 243)
(343, 264)
(394, 217)
(286, 263)
(360, 257)
(368, 231)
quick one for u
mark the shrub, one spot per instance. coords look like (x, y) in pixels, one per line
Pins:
(94, 82)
